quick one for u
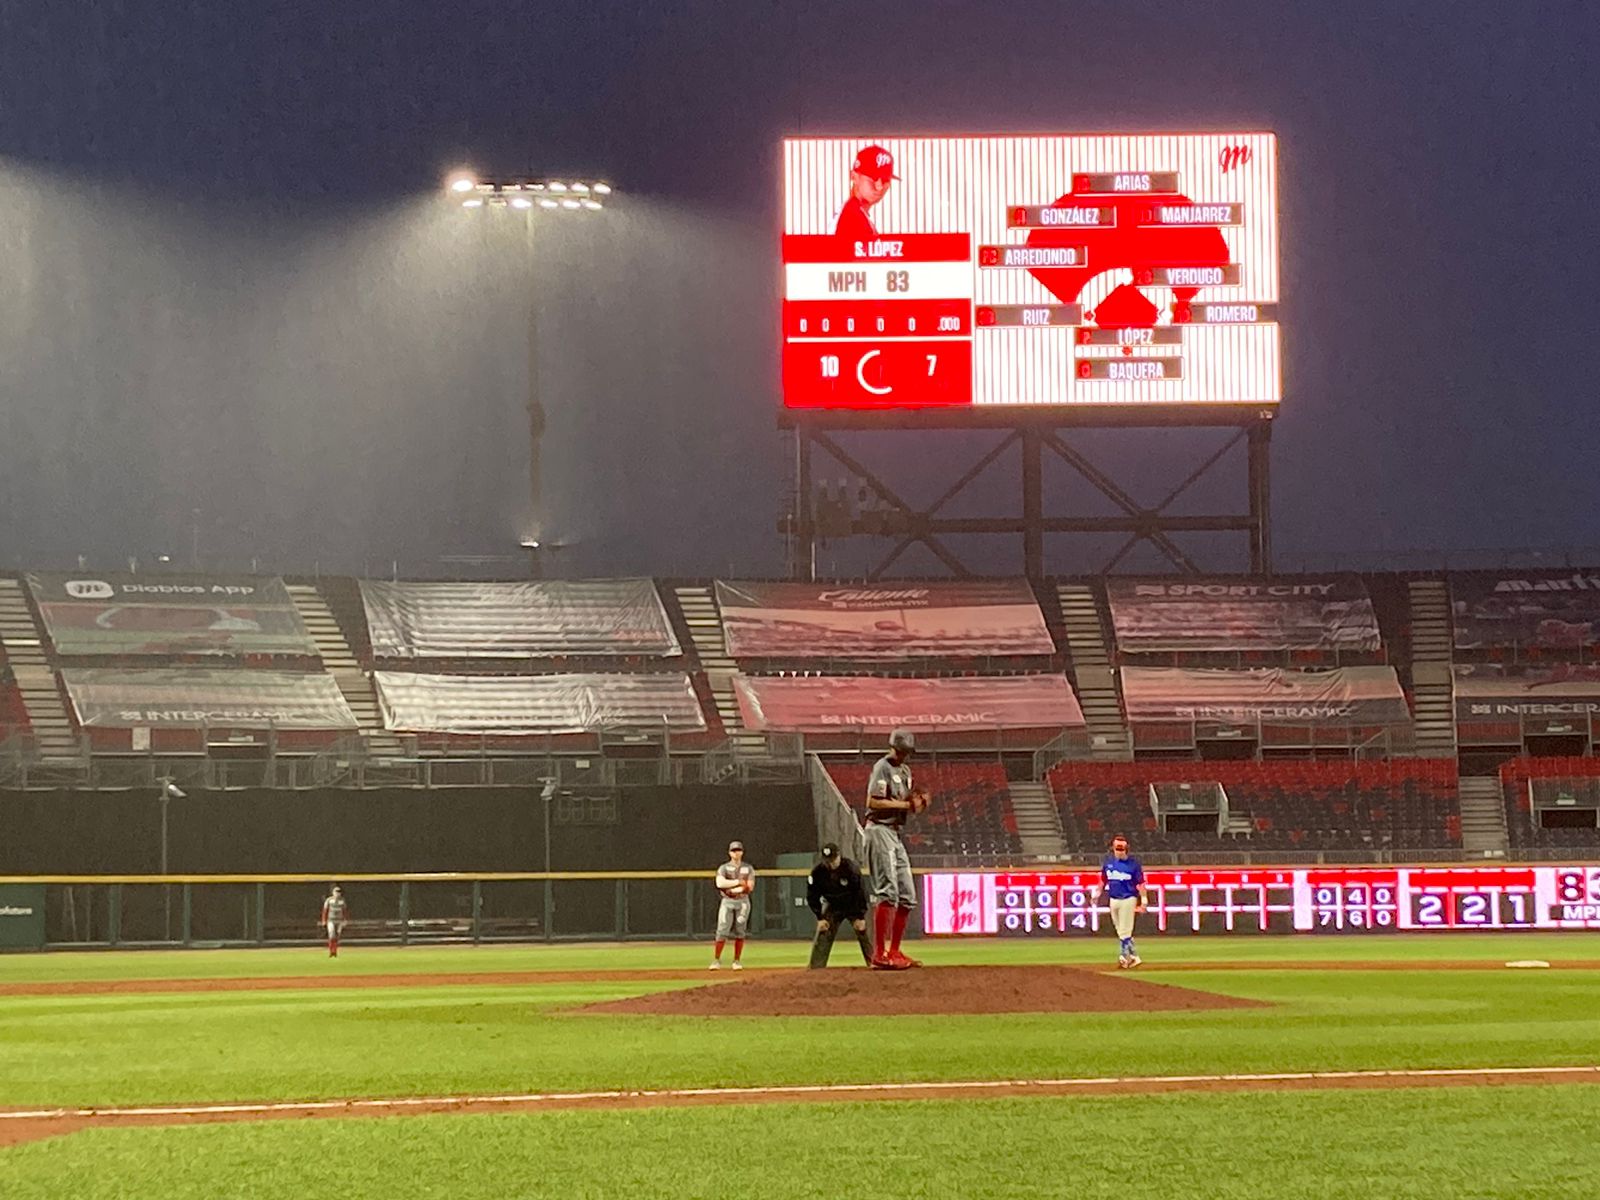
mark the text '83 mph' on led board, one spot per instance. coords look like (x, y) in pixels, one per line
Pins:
(1066, 271)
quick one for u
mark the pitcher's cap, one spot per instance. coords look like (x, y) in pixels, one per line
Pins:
(875, 163)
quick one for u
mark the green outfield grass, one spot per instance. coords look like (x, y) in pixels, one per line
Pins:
(433, 1039)
(632, 956)
(1488, 1143)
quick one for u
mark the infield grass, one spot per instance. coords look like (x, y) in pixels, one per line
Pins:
(440, 1040)
(356, 959)
(1491, 1143)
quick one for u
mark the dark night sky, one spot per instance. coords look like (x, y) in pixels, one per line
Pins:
(229, 290)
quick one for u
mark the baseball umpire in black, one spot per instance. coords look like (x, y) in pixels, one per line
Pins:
(836, 894)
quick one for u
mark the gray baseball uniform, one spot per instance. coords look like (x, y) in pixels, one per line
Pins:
(888, 865)
(333, 911)
(733, 914)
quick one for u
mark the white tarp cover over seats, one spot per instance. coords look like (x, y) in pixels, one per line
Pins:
(1348, 695)
(517, 620)
(538, 704)
(951, 618)
(830, 703)
(1312, 612)
(192, 698)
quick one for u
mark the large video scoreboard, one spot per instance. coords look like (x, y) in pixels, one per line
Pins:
(1271, 900)
(1066, 270)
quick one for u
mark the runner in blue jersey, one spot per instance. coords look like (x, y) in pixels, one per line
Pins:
(1122, 880)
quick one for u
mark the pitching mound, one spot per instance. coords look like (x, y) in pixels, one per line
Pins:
(931, 990)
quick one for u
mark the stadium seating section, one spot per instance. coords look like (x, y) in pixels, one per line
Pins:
(1523, 829)
(1298, 806)
(13, 716)
(499, 660)
(969, 808)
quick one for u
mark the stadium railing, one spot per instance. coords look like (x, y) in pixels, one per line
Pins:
(216, 911)
(348, 763)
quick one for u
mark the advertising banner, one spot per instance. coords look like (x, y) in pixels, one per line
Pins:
(1347, 695)
(110, 698)
(123, 614)
(559, 618)
(21, 916)
(1320, 612)
(538, 704)
(1554, 609)
(829, 704)
(1496, 691)
(892, 620)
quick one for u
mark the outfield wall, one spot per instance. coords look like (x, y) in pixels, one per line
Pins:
(336, 833)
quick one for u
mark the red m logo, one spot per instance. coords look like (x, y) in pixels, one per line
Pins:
(1233, 156)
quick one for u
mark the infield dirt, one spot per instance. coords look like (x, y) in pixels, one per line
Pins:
(936, 991)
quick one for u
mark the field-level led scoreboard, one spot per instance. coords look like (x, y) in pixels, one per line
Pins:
(1064, 270)
(1271, 900)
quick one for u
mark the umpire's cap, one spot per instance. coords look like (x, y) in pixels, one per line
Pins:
(830, 851)
(903, 739)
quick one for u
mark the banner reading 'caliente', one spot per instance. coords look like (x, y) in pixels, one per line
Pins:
(936, 619)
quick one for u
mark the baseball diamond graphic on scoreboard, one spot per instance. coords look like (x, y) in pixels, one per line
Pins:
(1054, 271)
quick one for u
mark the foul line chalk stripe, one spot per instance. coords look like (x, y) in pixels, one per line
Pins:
(802, 1089)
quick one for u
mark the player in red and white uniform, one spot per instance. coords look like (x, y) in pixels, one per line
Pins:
(870, 175)
(736, 880)
(334, 914)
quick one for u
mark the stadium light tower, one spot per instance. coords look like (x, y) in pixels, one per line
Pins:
(531, 196)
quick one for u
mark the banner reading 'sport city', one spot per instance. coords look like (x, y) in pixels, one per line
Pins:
(1075, 270)
(1310, 612)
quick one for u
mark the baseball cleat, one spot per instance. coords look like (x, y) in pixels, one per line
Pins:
(1134, 960)
(1122, 961)
(737, 965)
(904, 961)
(716, 966)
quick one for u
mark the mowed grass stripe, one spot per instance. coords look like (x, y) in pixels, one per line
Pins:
(1406, 1144)
(194, 1048)
(633, 956)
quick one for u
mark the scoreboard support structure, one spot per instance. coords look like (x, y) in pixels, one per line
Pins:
(1039, 437)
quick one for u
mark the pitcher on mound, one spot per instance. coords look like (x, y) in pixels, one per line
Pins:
(892, 893)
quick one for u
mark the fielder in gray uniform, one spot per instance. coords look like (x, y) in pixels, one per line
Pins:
(736, 880)
(890, 800)
(334, 910)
